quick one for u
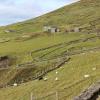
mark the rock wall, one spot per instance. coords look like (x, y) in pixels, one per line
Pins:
(92, 93)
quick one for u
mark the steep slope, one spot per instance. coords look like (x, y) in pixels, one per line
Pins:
(83, 49)
(79, 14)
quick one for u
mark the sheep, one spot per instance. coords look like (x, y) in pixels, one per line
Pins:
(56, 79)
(86, 76)
(15, 84)
(94, 68)
(56, 72)
(45, 79)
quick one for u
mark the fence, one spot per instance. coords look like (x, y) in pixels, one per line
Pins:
(67, 43)
(40, 73)
(69, 51)
(46, 70)
(75, 52)
(64, 44)
(67, 93)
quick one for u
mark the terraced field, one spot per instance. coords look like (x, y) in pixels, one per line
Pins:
(76, 68)
(25, 58)
(84, 56)
(34, 61)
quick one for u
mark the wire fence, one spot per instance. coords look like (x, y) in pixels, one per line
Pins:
(38, 74)
(66, 93)
(46, 70)
(62, 45)
(57, 95)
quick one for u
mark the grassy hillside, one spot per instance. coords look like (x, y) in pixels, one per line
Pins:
(21, 51)
(84, 58)
(45, 56)
(69, 82)
(80, 14)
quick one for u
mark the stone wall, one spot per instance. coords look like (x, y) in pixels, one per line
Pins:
(92, 93)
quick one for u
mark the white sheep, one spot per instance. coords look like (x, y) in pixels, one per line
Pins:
(15, 84)
(56, 79)
(45, 79)
(56, 72)
(86, 76)
(94, 68)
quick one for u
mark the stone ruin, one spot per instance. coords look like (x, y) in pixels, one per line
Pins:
(5, 61)
(9, 31)
(75, 29)
(51, 29)
(92, 93)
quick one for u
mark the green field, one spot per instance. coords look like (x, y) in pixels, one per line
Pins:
(79, 66)
(38, 55)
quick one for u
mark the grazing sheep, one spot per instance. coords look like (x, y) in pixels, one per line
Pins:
(86, 76)
(56, 79)
(56, 72)
(15, 84)
(94, 68)
(45, 79)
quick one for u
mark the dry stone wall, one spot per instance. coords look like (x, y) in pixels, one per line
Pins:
(92, 93)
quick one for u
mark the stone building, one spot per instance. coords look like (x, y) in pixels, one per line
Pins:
(51, 29)
(46, 28)
(9, 31)
(76, 29)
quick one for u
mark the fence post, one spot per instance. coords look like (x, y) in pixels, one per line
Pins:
(57, 96)
(31, 96)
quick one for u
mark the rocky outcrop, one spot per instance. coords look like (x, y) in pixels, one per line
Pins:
(4, 61)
